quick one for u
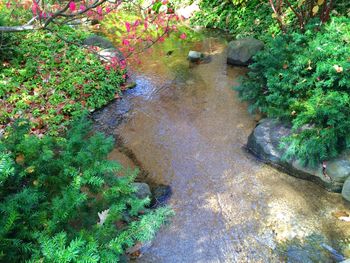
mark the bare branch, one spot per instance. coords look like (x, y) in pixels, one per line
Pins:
(28, 26)
(299, 16)
(16, 28)
(278, 17)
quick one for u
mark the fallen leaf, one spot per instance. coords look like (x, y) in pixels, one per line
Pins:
(102, 216)
(20, 159)
(340, 213)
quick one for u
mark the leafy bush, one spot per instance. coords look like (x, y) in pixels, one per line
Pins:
(241, 18)
(304, 78)
(51, 192)
(50, 80)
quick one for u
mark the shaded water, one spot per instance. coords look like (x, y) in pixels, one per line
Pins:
(187, 128)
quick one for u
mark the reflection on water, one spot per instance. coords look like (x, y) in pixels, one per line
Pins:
(187, 128)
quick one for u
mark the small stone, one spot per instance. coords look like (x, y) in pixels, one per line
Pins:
(138, 249)
(143, 190)
(130, 85)
(195, 56)
(161, 195)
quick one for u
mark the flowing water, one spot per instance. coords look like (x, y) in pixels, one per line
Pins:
(187, 128)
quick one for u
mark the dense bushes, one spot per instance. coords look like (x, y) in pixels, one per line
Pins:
(239, 17)
(304, 78)
(50, 80)
(51, 191)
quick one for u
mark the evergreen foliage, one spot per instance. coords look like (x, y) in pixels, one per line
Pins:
(304, 78)
(51, 191)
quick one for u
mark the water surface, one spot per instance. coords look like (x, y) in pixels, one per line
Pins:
(187, 129)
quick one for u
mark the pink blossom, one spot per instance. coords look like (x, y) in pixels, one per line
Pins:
(82, 7)
(128, 26)
(183, 36)
(72, 6)
(137, 22)
(108, 10)
(126, 42)
(35, 8)
(99, 10)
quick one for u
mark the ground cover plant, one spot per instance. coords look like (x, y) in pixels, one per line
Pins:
(49, 81)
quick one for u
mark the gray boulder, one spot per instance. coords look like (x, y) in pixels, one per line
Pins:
(108, 51)
(241, 51)
(98, 41)
(195, 56)
(264, 142)
(142, 190)
(346, 190)
(339, 168)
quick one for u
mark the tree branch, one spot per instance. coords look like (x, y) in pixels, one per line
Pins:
(16, 28)
(300, 18)
(278, 17)
(28, 26)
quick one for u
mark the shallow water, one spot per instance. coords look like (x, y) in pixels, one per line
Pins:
(187, 129)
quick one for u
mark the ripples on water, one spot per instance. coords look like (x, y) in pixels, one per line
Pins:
(187, 128)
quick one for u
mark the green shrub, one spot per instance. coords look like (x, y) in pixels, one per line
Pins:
(241, 18)
(51, 191)
(50, 80)
(304, 78)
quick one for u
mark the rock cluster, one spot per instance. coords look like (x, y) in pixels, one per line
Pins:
(264, 143)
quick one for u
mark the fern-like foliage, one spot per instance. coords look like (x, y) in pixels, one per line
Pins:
(51, 191)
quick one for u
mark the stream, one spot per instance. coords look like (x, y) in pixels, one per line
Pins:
(186, 128)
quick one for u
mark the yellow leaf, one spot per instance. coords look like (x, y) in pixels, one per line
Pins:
(315, 9)
(320, 2)
(20, 159)
(30, 169)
